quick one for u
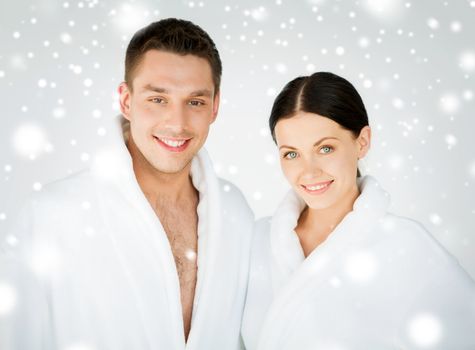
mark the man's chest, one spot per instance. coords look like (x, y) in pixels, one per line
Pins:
(180, 225)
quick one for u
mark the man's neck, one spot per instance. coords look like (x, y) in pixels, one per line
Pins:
(155, 184)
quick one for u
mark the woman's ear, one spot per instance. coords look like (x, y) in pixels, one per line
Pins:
(364, 142)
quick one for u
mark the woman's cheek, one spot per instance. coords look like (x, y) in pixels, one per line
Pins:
(289, 170)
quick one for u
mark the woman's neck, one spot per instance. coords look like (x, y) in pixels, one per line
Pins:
(315, 225)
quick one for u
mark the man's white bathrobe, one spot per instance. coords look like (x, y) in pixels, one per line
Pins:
(90, 266)
(378, 282)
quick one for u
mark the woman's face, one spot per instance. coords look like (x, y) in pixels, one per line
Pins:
(319, 158)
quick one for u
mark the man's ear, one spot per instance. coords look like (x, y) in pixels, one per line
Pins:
(124, 99)
(216, 101)
(364, 141)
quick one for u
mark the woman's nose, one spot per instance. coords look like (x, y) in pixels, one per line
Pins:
(313, 167)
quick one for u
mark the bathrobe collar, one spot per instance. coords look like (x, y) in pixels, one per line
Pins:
(113, 167)
(287, 253)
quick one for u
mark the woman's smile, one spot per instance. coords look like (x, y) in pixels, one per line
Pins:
(317, 188)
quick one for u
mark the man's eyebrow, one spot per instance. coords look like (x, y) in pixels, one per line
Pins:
(158, 89)
(315, 144)
(202, 93)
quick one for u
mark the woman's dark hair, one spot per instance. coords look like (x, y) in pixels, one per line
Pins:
(325, 94)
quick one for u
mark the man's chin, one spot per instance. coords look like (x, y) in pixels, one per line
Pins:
(172, 168)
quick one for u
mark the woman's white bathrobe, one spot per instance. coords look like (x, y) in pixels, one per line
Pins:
(90, 267)
(378, 282)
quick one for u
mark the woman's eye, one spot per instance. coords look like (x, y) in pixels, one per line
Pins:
(196, 103)
(326, 149)
(290, 155)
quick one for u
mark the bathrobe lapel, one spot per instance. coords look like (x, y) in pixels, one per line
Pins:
(145, 252)
(291, 272)
(209, 228)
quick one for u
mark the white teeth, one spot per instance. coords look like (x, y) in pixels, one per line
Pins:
(172, 143)
(315, 188)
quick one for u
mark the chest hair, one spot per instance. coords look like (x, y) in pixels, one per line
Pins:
(180, 222)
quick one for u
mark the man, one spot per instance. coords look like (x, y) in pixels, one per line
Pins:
(147, 249)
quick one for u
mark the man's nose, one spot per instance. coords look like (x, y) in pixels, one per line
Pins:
(176, 117)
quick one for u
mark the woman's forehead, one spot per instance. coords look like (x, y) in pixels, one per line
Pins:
(303, 124)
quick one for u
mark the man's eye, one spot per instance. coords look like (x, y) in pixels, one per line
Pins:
(196, 103)
(158, 100)
(326, 149)
(290, 155)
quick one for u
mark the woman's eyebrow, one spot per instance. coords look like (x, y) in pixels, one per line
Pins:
(315, 144)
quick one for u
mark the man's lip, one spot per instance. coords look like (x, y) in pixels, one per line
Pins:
(171, 148)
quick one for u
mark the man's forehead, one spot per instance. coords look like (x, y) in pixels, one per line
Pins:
(184, 73)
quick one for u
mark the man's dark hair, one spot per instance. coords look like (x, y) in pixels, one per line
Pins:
(175, 36)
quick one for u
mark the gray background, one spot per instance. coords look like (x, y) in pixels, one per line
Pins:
(412, 61)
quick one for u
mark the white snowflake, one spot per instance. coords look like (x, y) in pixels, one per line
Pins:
(257, 195)
(130, 17)
(435, 219)
(425, 330)
(79, 346)
(449, 103)
(361, 266)
(8, 298)
(259, 14)
(384, 9)
(363, 42)
(340, 50)
(42, 83)
(59, 112)
(398, 103)
(467, 61)
(281, 68)
(66, 38)
(29, 140)
(451, 140)
(468, 95)
(45, 259)
(433, 23)
(232, 169)
(455, 26)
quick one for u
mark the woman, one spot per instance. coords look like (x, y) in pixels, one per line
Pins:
(332, 269)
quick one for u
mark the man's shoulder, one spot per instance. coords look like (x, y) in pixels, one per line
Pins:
(230, 191)
(233, 199)
(65, 190)
(59, 208)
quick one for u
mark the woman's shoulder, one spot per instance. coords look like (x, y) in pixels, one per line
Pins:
(262, 225)
(261, 233)
(261, 247)
(411, 240)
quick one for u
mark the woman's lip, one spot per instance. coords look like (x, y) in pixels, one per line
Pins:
(171, 148)
(317, 188)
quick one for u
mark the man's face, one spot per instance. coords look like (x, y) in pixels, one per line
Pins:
(171, 108)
